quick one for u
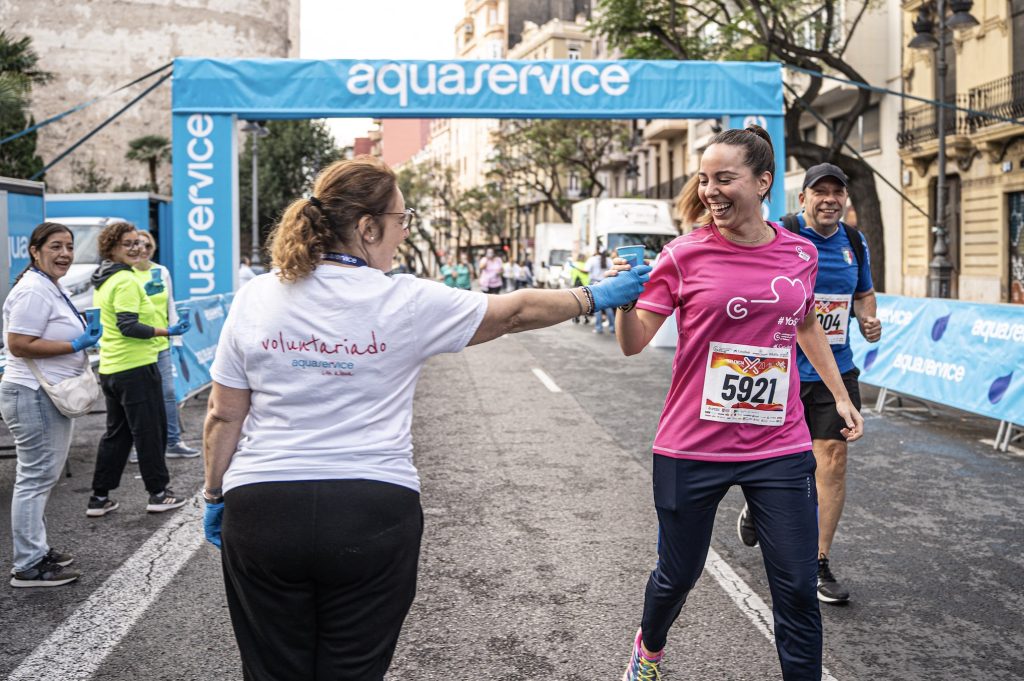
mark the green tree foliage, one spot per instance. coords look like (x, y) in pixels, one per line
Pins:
(151, 150)
(19, 71)
(289, 159)
(810, 34)
(430, 189)
(538, 157)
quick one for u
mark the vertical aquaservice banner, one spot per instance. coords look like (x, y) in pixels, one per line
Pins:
(205, 226)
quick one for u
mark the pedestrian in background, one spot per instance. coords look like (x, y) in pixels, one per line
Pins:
(245, 271)
(447, 273)
(523, 275)
(844, 282)
(490, 269)
(156, 282)
(742, 293)
(330, 439)
(132, 387)
(463, 274)
(596, 266)
(41, 325)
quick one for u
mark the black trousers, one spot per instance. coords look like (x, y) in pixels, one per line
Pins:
(320, 576)
(135, 414)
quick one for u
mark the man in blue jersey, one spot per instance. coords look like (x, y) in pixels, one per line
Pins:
(843, 287)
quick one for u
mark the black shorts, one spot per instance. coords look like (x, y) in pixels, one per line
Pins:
(823, 420)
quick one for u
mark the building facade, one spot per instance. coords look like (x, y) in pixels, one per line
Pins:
(983, 209)
(93, 47)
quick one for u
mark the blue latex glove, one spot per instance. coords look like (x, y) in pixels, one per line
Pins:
(621, 289)
(179, 328)
(211, 522)
(88, 339)
(153, 287)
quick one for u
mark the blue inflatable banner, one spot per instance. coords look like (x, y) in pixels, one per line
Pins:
(965, 355)
(193, 358)
(204, 249)
(304, 88)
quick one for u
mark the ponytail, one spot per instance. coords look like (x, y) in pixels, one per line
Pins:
(343, 193)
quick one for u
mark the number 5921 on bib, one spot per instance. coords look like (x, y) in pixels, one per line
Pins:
(746, 384)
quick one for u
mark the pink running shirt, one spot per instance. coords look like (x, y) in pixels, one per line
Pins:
(735, 392)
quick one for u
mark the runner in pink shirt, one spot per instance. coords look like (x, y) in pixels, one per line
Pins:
(741, 291)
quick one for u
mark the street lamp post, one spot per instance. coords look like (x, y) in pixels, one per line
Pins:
(940, 269)
(258, 130)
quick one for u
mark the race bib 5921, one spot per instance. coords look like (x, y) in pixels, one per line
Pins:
(746, 384)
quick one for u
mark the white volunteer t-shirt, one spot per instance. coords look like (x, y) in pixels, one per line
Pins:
(332, 362)
(35, 307)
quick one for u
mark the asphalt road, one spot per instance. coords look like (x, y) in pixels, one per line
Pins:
(540, 533)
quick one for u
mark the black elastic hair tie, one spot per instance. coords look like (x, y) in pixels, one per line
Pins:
(316, 202)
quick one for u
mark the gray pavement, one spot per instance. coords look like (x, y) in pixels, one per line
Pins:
(540, 532)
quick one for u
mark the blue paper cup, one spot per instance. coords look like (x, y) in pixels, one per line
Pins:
(634, 255)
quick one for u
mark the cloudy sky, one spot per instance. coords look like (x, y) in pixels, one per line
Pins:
(377, 29)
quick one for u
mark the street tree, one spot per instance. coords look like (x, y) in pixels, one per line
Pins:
(539, 156)
(151, 150)
(810, 34)
(19, 72)
(288, 160)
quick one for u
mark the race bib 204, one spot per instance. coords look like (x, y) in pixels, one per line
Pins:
(746, 384)
(833, 312)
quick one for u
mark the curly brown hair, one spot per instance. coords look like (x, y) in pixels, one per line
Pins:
(346, 191)
(110, 237)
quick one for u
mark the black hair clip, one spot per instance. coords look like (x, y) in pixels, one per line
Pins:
(316, 202)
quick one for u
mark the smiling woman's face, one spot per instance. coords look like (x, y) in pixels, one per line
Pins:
(56, 255)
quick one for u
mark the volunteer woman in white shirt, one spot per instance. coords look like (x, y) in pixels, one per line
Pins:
(307, 439)
(40, 324)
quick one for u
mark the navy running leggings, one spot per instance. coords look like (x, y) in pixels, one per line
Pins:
(783, 501)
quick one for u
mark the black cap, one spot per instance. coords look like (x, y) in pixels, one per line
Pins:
(815, 173)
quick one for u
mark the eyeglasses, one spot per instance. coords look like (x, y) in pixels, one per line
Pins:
(407, 216)
(131, 244)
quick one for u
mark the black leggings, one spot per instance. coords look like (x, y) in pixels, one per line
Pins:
(320, 576)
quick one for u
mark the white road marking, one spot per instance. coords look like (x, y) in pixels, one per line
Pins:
(749, 603)
(77, 648)
(546, 380)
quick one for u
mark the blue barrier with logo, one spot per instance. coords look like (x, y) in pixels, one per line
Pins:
(965, 355)
(192, 359)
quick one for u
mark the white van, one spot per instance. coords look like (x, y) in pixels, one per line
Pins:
(552, 248)
(610, 223)
(78, 280)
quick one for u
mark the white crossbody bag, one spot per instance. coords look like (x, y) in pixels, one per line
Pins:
(73, 396)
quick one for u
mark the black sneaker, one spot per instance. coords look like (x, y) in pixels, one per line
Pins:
(58, 558)
(44, 573)
(829, 590)
(165, 501)
(98, 507)
(745, 527)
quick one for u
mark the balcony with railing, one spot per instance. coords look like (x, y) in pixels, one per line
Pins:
(1003, 97)
(919, 125)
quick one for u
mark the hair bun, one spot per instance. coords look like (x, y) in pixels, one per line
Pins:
(760, 132)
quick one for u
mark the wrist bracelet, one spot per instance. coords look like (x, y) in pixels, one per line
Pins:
(590, 299)
(578, 301)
